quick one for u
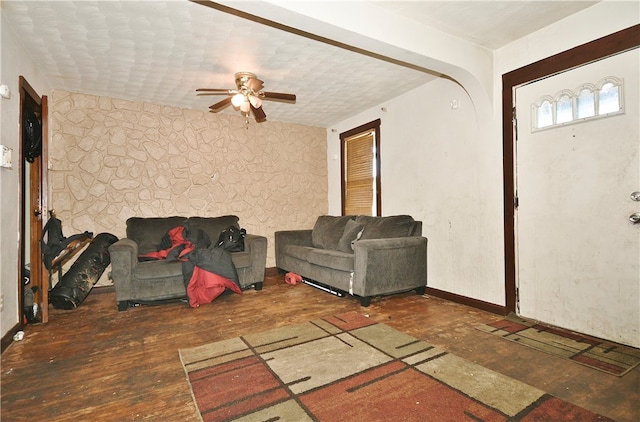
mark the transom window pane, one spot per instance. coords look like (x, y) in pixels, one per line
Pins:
(586, 104)
(545, 114)
(609, 98)
(564, 109)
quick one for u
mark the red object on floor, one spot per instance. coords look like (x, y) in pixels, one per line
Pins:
(292, 278)
(205, 286)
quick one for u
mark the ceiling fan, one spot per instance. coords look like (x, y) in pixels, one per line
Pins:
(247, 96)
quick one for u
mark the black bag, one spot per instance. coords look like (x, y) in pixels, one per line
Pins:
(232, 239)
(53, 241)
(32, 136)
(84, 273)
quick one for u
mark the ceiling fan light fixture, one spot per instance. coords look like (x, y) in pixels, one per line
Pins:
(255, 101)
(245, 107)
(237, 100)
(247, 97)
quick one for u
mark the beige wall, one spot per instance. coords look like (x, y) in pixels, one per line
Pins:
(113, 159)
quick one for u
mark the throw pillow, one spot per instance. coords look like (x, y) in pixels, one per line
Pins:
(328, 230)
(386, 227)
(351, 233)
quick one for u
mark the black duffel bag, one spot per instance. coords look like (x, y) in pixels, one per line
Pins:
(84, 273)
(232, 239)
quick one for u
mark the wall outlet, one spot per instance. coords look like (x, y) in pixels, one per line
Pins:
(1, 302)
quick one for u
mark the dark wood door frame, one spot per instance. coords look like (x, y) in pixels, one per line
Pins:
(36, 187)
(615, 43)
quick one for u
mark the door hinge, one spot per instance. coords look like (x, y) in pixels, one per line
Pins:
(514, 120)
(516, 202)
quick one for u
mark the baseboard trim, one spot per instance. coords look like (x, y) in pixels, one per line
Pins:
(452, 297)
(464, 300)
(7, 339)
(110, 288)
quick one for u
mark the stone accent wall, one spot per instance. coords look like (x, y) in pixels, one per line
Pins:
(112, 159)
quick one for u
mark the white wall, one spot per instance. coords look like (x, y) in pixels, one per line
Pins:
(15, 62)
(435, 168)
(444, 166)
(599, 20)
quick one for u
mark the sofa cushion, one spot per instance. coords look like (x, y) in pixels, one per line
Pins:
(328, 230)
(297, 251)
(386, 227)
(212, 226)
(352, 232)
(331, 259)
(148, 232)
(152, 270)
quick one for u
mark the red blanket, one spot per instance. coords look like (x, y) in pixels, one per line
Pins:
(205, 286)
(176, 235)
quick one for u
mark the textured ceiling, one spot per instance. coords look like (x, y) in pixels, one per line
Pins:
(161, 51)
(492, 24)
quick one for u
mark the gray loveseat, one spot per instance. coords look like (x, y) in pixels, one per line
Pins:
(360, 255)
(150, 281)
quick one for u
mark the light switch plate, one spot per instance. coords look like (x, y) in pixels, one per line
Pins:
(5, 92)
(5, 161)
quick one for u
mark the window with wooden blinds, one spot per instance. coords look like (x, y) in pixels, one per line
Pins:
(361, 170)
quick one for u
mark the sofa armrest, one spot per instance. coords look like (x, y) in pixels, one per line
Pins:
(257, 248)
(291, 237)
(124, 259)
(391, 265)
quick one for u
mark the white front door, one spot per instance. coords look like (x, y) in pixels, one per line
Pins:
(578, 254)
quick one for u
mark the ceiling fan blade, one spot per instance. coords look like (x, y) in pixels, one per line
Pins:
(220, 105)
(255, 84)
(259, 114)
(278, 96)
(213, 91)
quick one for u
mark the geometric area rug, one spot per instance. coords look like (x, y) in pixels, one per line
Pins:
(349, 368)
(612, 358)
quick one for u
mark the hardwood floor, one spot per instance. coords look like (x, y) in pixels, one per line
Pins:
(95, 363)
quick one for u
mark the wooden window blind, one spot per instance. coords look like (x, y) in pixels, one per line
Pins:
(360, 172)
(359, 183)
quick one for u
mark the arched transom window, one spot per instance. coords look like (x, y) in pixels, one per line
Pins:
(587, 101)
